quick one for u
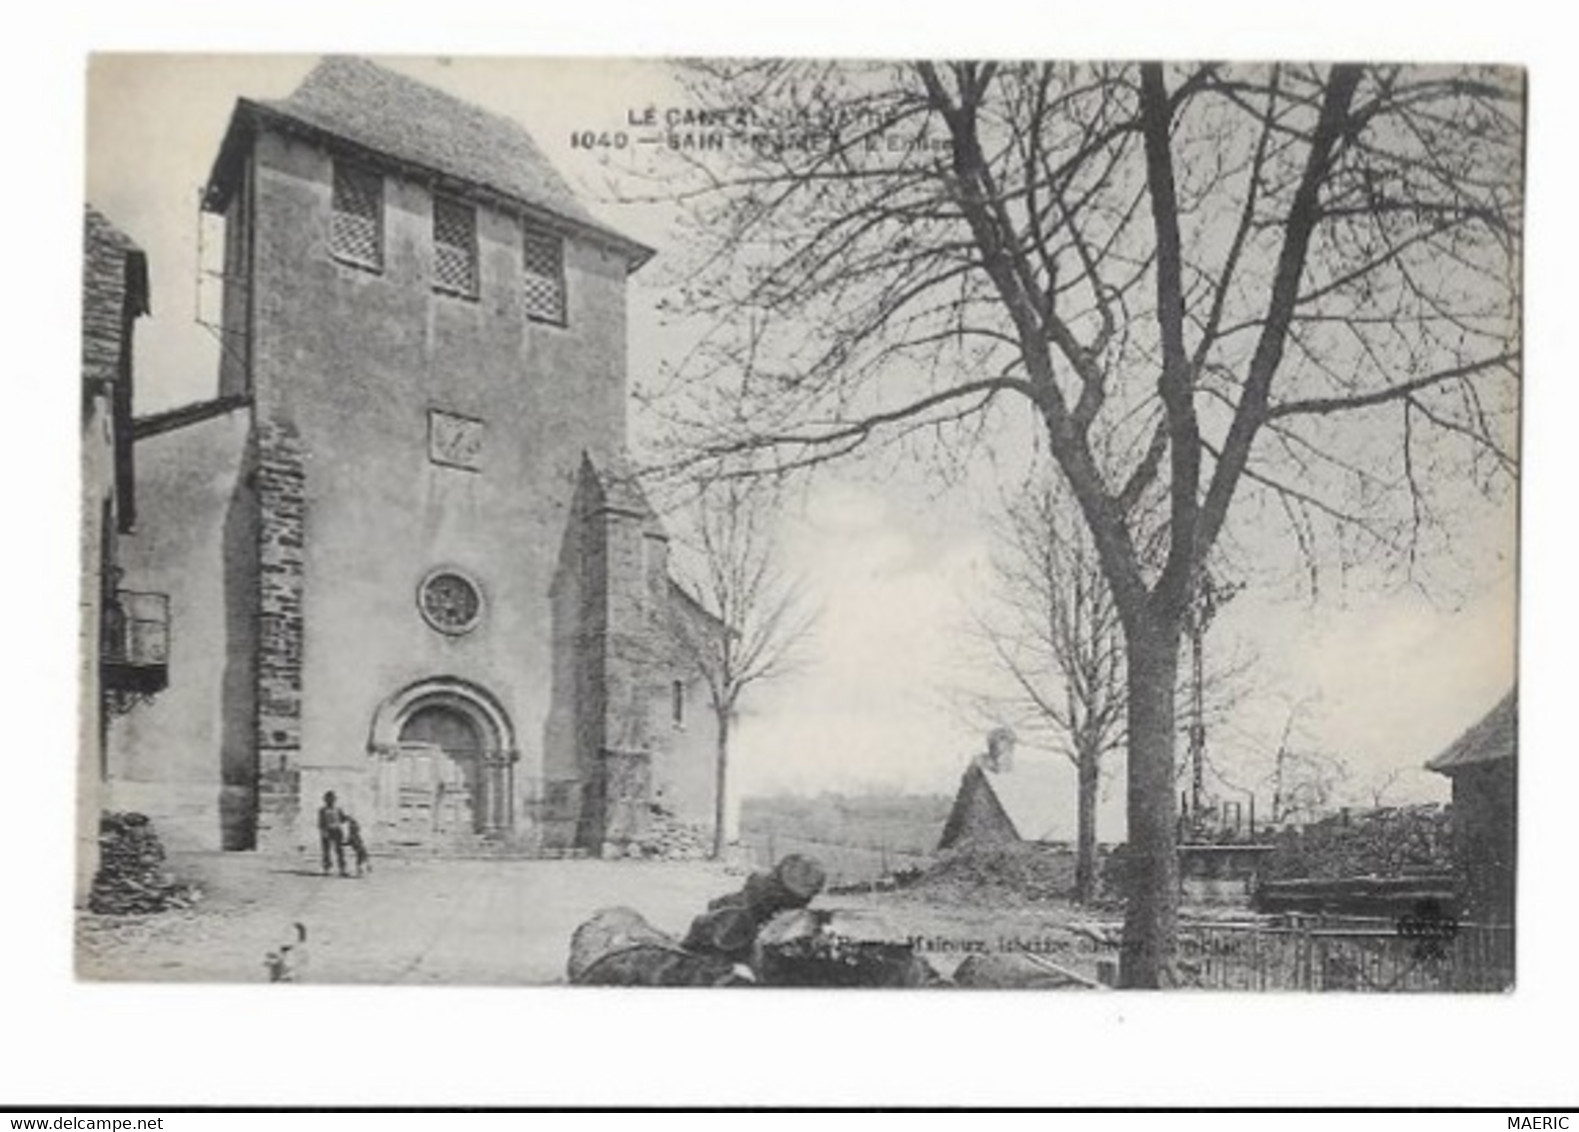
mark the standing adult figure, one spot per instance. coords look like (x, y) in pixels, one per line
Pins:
(331, 833)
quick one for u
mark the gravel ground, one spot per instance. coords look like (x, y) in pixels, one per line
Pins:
(477, 922)
(486, 922)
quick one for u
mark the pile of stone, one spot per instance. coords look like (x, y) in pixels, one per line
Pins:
(671, 839)
(132, 878)
(998, 874)
(1388, 841)
(764, 934)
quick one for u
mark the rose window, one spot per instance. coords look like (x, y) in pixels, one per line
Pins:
(450, 602)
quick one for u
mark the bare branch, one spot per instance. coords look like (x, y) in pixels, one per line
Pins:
(1391, 393)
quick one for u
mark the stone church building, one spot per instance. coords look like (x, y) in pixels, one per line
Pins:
(402, 556)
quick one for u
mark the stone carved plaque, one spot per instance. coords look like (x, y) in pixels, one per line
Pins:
(454, 440)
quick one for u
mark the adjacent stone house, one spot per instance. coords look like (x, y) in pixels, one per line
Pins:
(1483, 764)
(121, 633)
(405, 559)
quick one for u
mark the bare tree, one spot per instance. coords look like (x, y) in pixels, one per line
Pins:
(1303, 780)
(1305, 784)
(757, 612)
(1050, 626)
(1054, 632)
(1379, 784)
(1221, 290)
(1288, 767)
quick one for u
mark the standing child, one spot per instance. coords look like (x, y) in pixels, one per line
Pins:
(353, 840)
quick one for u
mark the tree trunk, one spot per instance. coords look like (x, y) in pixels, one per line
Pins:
(608, 932)
(618, 948)
(1088, 773)
(800, 878)
(720, 784)
(1277, 787)
(727, 930)
(793, 883)
(1151, 866)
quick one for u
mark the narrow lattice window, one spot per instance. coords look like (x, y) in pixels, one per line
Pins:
(357, 229)
(454, 247)
(543, 277)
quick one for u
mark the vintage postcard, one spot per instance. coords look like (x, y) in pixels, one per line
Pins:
(795, 522)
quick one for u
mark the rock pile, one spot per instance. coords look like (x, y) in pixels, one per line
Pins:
(132, 878)
(671, 839)
(999, 874)
(1390, 841)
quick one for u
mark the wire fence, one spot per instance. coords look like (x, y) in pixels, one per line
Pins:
(1294, 952)
(1332, 954)
(845, 864)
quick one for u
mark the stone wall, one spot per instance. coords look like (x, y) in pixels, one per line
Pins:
(685, 759)
(281, 493)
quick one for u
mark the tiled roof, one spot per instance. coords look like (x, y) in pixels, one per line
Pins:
(100, 231)
(387, 113)
(114, 282)
(1494, 738)
(1033, 795)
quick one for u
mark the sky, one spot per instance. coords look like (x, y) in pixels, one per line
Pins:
(1382, 677)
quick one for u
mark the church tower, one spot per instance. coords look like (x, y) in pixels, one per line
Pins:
(424, 357)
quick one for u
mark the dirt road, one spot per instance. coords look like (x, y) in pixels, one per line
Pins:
(478, 922)
(484, 922)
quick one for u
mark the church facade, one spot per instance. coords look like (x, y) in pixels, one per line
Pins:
(404, 558)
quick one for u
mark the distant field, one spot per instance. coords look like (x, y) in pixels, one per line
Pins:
(855, 837)
(844, 864)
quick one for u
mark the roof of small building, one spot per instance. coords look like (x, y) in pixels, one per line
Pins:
(389, 114)
(114, 281)
(691, 606)
(1494, 738)
(1030, 793)
(620, 486)
(100, 229)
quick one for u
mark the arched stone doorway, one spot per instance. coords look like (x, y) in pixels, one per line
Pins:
(444, 766)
